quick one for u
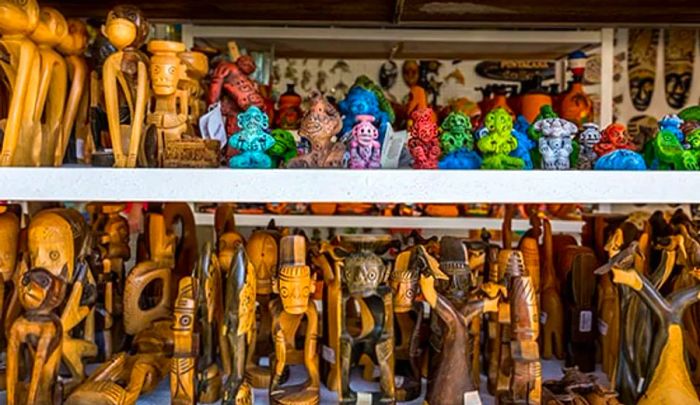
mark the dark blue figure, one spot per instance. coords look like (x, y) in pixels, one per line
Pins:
(461, 159)
(525, 144)
(361, 101)
(672, 123)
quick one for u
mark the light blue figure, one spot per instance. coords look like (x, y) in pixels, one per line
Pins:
(672, 123)
(252, 141)
(525, 144)
(621, 159)
(461, 159)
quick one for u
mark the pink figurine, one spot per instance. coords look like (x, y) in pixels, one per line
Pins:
(365, 151)
(423, 143)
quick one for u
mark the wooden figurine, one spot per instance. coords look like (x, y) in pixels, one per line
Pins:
(295, 286)
(239, 327)
(552, 316)
(667, 375)
(10, 228)
(127, 29)
(183, 369)
(319, 125)
(261, 250)
(21, 67)
(581, 328)
(53, 86)
(72, 48)
(169, 113)
(196, 69)
(227, 238)
(39, 329)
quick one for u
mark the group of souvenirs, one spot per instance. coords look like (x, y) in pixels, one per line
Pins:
(113, 99)
(250, 312)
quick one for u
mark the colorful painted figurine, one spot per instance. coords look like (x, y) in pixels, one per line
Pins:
(499, 142)
(588, 139)
(673, 124)
(320, 124)
(366, 98)
(126, 70)
(364, 149)
(457, 143)
(622, 159)
(555, 145)
(289, 109)
(252, 140)
(423, 142)
(525, 144)
(613, 137)
(665, 152)
(576, 105)
(295, 285)
(284, 149)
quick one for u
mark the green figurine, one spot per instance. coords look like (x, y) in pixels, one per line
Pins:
(665, 152)
(284, 149)
(456, 133)
(498, 142)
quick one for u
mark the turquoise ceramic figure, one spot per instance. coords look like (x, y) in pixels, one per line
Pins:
(252, 141)
(497, 145)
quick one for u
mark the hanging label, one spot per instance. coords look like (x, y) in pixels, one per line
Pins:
(80, 148)
(543, 318)
(398, 381)
(328, 354)
(364, 398)
(585, 321)
(264, 361)
(426, 310)
(472, 398)
(211, 125)
(640, 385)
(602, 327)
(392, 147)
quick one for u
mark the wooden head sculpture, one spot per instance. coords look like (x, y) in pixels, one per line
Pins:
(166, 68)
(18, 17)
(41, 291)
(52, 28)
(76, 41)
(294, 283)
(227, 238)
(55, 239)
(404, 282)
(126, 27)
(9, 235)
(454, 261)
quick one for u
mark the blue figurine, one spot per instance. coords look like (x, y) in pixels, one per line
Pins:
(672, 123)
(461, 159)
(361, 101)
(525, 144)
(252, 140)
(621, 159)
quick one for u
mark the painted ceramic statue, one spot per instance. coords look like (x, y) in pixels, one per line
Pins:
(576, 105)
(613, 137)
(588, 139)
(672, 123)
(252, 140)
(622, 159)
(555, 145)
(665, 152)
(366, 98)
(364, 149)
(289, 110)
(423, 142)
(457, 143)
(320, 124)
(525, 144)
(284, 149)
(499, 142)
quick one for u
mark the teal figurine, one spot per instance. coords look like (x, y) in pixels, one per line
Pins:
(498, 142)
(457, 143)
(252, 141)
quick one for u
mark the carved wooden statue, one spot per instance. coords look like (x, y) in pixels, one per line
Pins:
(239, 327)
(53, 86)
(21, 68)
(10, 228)
(40, 330)
(196, 69)
(295, 286)
(126, 70)
(227, 238)
(667, 375)
(183, 368)
(582, 325)
(551, 305)
(72, 48)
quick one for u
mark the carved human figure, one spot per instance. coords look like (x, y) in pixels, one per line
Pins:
(252, 140)
(587, 140)
(295, 285)
(10, 227)
(126, 70)
(365, 150)
(227, 237)
(72, 48)
(551, 304)
(21, 69)
(319, 125)
(613, 137)
(196, 69)
(183, 367)
(555, 144)
(423, 142)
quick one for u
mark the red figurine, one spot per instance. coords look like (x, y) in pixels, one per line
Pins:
(423, 144)
(613, 137)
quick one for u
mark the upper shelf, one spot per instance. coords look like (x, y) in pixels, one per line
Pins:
(319, 185)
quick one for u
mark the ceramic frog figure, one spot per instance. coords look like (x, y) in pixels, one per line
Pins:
(499, 142)
(284, 149)
(252, 140)
(669, 154)
(588, 139)
(555, 145)
(456, 133)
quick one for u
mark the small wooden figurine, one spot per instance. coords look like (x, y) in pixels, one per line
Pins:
(295, 286)
(227, 238)
(552, 311)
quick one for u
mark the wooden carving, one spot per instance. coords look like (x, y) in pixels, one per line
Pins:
(183, 368)
(53, 87)
(295, 286)
(126, 70)
(21, 68)
(582, 323)
(227, 238)
(330, 264)
(550, 301)
(179, 221)
(239, 327)
(196, 69)
(10, 228)
(72, 48)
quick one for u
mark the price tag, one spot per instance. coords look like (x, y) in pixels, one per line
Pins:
(426, 309)
(264, 361)
(328, 354)
(392, 147)
(602, 327)
(585, 321)
(472, 398)
(364, 398)
(543, 318)
(640, 385)
(376, 372)
(80, 148)
(398, 381)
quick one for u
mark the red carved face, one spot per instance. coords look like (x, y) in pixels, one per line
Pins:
(615, 134)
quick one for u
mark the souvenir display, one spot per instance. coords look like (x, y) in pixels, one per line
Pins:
(555, 143)
(366, 98)
(457, 143)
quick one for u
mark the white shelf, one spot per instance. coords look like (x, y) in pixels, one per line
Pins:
(401, 186)
(357, 221)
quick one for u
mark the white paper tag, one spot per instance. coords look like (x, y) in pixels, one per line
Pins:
(543, 318)
(426, 310)
(328, 354)
(472, 398)
(585, 321)
(80, 148)
(602, 327)
(391, 149)
(398, 381)
(364, 398)
(212, 126)
(264, 361)
(640, 385)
